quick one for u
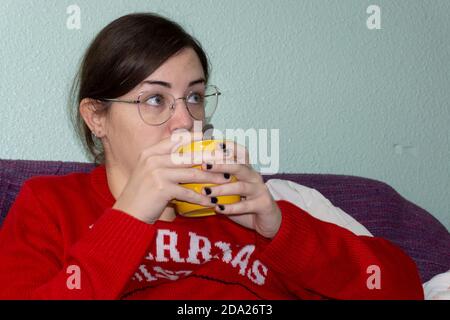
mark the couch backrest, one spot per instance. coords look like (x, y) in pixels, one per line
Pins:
(376, 205)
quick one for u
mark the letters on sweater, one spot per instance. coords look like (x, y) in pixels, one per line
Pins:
(201, 250)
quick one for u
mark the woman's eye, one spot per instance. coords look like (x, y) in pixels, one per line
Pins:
(195, 98)
(155, 100)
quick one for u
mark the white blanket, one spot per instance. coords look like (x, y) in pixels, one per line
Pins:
(313, 202)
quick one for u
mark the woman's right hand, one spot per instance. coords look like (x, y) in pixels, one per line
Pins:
(154, 182)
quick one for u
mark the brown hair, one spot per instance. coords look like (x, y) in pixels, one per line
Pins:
(121, 56)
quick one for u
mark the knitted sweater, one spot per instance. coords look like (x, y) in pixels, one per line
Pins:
(62, 240)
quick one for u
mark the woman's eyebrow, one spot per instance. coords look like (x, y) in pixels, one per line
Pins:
(168, 85)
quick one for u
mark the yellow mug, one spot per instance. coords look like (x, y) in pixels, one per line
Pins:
(189, 209)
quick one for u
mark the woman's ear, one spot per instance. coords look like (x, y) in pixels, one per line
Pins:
(95, 120)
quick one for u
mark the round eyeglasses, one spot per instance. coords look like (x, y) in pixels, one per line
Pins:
(156, 106)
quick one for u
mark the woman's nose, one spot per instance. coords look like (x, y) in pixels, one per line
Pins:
(181, 117)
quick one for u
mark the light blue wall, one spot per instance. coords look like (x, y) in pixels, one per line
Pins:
(343, 95)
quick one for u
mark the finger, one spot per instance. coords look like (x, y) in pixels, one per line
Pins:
(172, 143)
(241, 171)
(217, 156)
(185, 160)
(184, 194)
(242, 207)
(173, 160)
(239, 151)
(240, 188)
(177, 159)
(191, 175)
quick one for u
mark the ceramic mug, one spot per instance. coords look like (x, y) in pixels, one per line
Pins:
(189, 209)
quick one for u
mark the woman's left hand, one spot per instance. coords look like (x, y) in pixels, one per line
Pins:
(257, 210)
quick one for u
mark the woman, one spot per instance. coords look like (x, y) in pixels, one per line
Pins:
(113, 234)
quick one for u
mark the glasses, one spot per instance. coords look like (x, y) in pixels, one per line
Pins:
(157, 106)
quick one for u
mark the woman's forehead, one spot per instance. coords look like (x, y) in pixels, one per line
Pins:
(185, 63)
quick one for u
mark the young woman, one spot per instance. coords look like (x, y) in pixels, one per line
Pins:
(113, 233)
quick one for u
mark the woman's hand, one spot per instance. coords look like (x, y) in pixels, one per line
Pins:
(155, 179)
(257, 210)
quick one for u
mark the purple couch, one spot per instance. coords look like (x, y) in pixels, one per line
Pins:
(376, 205)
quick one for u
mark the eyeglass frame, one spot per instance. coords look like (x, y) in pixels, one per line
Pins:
(172, 107)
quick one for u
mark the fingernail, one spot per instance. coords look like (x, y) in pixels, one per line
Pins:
(208, 191)
(214, 200)
(226, 176)
(221, 207)
(208, 166)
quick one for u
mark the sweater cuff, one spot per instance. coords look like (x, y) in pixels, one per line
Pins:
(296, 242)
(117, 242)
(119, 234)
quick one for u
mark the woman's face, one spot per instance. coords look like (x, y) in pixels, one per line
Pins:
(126, 134)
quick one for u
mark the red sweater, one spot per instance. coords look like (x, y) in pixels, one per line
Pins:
(62, 240)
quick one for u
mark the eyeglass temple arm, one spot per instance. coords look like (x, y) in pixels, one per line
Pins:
(122, 101)
(213, 94)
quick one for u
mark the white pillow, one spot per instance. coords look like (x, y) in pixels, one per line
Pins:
(313, 202)
(438, 288)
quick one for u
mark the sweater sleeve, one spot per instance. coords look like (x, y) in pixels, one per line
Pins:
(318, 259)
(34, 264)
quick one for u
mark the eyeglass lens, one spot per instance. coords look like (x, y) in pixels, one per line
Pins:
(156, 105)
